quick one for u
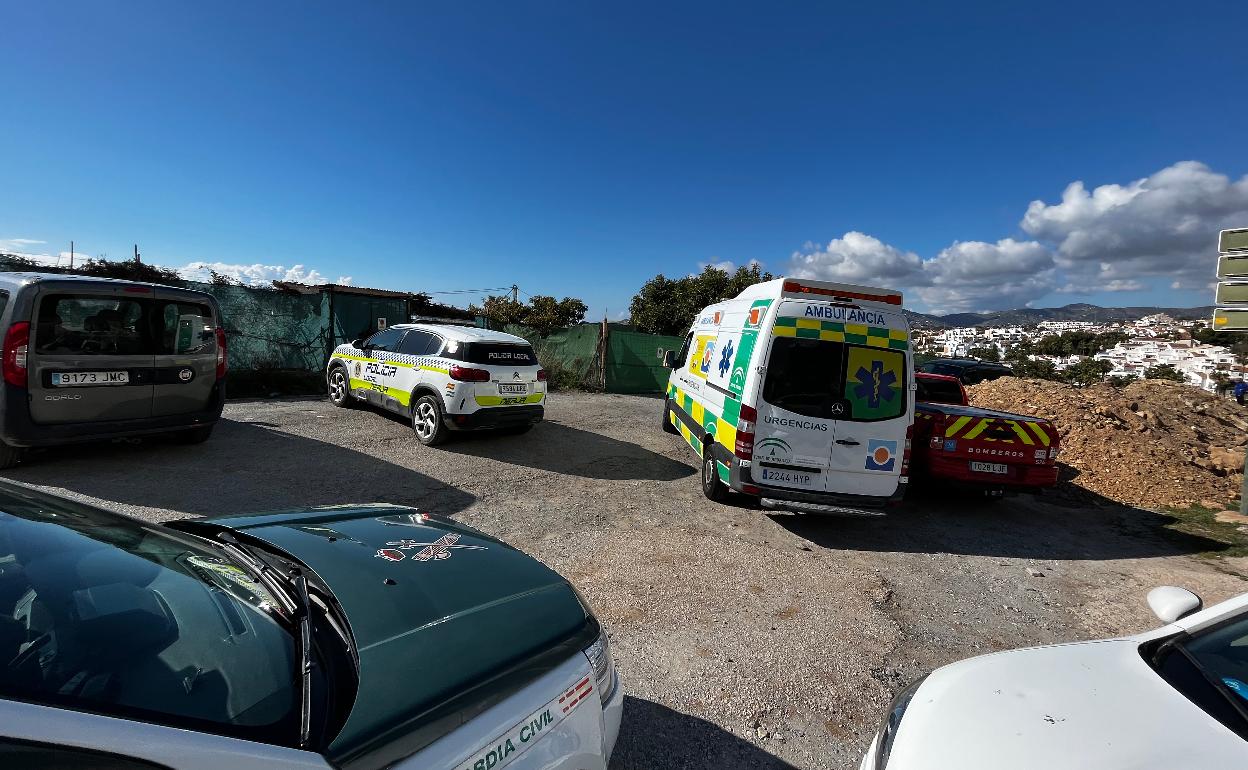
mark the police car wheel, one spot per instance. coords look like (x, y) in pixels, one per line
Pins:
(712, 487)
(427, 421)
(667, 418)
(339, 387)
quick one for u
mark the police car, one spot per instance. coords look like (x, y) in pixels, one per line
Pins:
(355, 637)
(443, 378)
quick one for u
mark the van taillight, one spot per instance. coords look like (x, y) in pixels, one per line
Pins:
(466, 374)
(16, 346)
(220, 353)
(905, 453)
(745, 432)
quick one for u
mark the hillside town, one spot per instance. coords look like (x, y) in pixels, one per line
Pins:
(1141, 345)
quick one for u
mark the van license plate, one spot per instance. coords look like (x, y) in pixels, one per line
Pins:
(69, 379)
(990, 467)
(513, 389)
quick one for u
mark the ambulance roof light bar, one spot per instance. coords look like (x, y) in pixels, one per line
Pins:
(844, 294)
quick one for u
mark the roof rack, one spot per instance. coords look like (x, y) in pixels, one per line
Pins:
(430, 319)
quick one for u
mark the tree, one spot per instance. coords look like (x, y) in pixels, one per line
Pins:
(221, 279)
(542, 314)
(1164, 372)
(1037, 368)
(1222, 383)
(669, 306)
(1121, 380)
(1087, 371)
(985, 354)
(1077, 343)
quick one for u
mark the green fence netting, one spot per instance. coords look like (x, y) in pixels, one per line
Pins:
(570, 356)
(635, 361)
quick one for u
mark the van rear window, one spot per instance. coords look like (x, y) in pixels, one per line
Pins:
(498, 354)
(84, 324)
(835, 380)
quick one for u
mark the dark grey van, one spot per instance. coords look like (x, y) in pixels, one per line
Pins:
(95, 358)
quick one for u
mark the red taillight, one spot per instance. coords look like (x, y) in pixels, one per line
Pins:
(465, 374)
(905, 454)
(745, 432)
(220, 353)
(16, 346)
(541, 375)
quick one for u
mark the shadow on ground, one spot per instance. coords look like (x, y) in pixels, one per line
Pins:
(937, 520)
(653, 735)
(243, 467)
(553, 446)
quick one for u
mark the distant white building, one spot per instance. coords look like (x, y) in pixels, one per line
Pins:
(1057, 327)
(1195, 361)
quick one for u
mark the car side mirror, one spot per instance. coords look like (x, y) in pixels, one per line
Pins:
(669, 359)
(358, 344)
(1171, 603)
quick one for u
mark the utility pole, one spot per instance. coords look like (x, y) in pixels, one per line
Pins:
(71, 255)
(136, 253)
(515, 293)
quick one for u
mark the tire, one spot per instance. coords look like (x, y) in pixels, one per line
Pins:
(427, 421)
(9, 456)
(667, 418)
(714, 489)
(194, 435)
(340, 388)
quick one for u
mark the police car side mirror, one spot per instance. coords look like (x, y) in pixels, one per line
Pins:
(359, 344)
(1170, 603)
(669, 359)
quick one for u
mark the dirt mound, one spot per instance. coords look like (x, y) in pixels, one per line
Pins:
(1150, 444)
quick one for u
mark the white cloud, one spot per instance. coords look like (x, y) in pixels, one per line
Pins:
(252, 275)
(857, 258)
(726, 265)
(969, 275)
(1165, 224)
(975, 275)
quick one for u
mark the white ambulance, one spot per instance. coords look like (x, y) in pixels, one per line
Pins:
(443, 377)
(800, 393)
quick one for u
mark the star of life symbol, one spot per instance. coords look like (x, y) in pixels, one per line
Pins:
(437, 550)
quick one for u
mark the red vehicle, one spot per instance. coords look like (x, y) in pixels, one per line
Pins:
(996, 451)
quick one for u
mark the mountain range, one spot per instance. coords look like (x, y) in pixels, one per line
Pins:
(1031, 316)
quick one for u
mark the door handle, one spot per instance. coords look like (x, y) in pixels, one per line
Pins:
(848, 442)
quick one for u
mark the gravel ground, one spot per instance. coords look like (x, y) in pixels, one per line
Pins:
(744, 639)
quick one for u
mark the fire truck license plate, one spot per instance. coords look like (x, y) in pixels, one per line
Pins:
(990, 467)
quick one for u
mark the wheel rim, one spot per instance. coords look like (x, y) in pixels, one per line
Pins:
(337, 386)
(425, 420)
(708, 473)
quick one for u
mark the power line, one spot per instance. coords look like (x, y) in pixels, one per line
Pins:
(469, 291)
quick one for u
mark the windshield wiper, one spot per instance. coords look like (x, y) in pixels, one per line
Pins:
(306, 662)
(300, 608)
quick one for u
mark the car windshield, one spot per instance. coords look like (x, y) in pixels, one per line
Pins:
(103, 613)
(938, 391)
(1211, 669)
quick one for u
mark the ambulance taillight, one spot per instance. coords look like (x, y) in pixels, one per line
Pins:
(905, 454)
(745, 432)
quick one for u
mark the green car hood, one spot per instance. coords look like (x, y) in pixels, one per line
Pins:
(447, 620)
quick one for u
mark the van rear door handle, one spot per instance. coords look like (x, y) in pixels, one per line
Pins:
(848, 442)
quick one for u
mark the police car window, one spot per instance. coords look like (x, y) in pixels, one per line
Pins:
(70, 324)
(111, 616)
(418, 343)
(500, 354)
(387, 340)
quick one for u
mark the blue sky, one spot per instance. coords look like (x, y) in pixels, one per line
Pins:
(579, 150)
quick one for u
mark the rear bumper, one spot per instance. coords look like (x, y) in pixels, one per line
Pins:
(497, 417)
(20, 430)
(819, 500)
(936, 467)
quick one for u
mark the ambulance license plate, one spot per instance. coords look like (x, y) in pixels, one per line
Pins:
(990, 467)
(510, 390)
(70, 379)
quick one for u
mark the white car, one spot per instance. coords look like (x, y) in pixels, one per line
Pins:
(1176, 697)
(443, 378)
